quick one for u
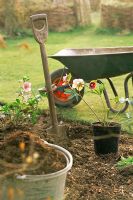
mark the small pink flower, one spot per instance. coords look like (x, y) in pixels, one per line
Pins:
(27, 86)
(78, 84)
(65, 78)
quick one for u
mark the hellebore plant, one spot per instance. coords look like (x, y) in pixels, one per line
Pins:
(25, 107)
(125, 165)
(128, 118)
(125, 162)
(93, 87)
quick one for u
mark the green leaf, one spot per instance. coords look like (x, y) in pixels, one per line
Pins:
(116, 99)
(60, 88)
(18, 101)
(26, 78)
(101, 88)
(124, 162)
(95, 91)
(69, 91)
(77, 97)
(43, 94)
(69, 76)
(73, 93)
(32, 101)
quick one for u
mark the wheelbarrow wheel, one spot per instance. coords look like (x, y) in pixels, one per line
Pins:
(62, 99)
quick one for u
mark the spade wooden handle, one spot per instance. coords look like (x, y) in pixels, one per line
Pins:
(40, 34)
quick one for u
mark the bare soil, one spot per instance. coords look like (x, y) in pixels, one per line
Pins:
(92, 177)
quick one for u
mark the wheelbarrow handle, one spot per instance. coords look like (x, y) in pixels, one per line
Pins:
(40, 34)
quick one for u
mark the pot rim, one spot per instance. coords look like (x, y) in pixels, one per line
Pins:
(69, 160)
(110, 124)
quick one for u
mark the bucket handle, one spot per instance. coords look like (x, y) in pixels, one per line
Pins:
(40, 34)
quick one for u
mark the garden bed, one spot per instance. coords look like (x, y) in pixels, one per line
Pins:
(92, 177)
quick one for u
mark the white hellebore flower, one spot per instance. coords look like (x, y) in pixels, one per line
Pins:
(128, 115)
(38, 97)
(122, 100)
(78, 84)
(26, 97)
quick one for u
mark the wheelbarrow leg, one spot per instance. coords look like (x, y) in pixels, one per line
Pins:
(109, 104)
(116, 94)
(112, 87)
(126, 84)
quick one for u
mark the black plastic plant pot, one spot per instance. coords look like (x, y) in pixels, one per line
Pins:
(106, 138)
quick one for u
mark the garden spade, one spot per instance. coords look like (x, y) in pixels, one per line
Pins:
(41, 34)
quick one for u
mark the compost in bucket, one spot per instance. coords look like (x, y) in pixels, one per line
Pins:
(27, 149)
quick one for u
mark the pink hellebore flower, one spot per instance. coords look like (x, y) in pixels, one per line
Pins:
(65, 82)
(78, 84)
(65, 78)
(27, 86)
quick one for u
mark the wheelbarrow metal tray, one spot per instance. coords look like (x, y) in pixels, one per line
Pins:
(95, 63)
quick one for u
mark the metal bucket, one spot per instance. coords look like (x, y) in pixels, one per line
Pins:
(39, 187)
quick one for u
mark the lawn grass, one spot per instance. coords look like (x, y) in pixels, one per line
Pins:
(15, 62)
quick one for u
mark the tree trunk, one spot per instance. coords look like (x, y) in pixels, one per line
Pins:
(10, 18)
(83, 13)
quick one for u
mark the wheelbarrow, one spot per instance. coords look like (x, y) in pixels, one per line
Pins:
(92, 64)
